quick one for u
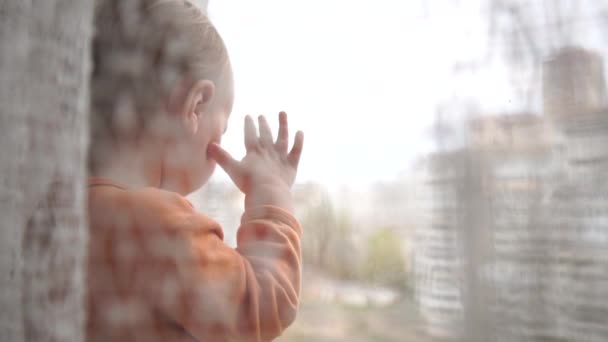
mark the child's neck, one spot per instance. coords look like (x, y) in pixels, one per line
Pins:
(132, 167)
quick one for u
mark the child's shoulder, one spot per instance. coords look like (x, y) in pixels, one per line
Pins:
(148, 197)
(151, 207)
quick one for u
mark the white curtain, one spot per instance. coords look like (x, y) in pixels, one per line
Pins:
(44, 67)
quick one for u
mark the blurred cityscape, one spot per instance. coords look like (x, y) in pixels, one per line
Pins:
(500, 233)
(501, 236)
(514, 248)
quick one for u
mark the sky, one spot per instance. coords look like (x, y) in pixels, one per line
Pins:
(362, 79)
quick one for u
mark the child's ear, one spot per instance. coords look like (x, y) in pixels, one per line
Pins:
(198, 101)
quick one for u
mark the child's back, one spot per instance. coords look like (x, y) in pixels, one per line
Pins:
(158, 270)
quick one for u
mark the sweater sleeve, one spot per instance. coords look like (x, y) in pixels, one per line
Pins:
(250, 293)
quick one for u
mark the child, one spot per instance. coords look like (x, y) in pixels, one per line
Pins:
(159, 270)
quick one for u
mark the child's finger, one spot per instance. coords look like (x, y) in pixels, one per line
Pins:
(296, 150)
(265, 131)
(283, 135)
(225, 161)
(251, 137)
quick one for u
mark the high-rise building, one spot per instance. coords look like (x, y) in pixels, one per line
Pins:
(573, 84)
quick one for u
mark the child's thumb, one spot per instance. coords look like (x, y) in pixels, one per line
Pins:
(224, 159)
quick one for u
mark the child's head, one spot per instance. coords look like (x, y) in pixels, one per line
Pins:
(161, 79)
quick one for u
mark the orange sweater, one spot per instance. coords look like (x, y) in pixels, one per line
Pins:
(160, 271)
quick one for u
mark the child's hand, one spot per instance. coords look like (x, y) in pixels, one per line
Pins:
(267, 171)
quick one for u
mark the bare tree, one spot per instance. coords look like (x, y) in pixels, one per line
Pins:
(44, 65)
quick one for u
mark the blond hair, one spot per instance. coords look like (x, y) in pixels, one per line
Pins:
(140, 50)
